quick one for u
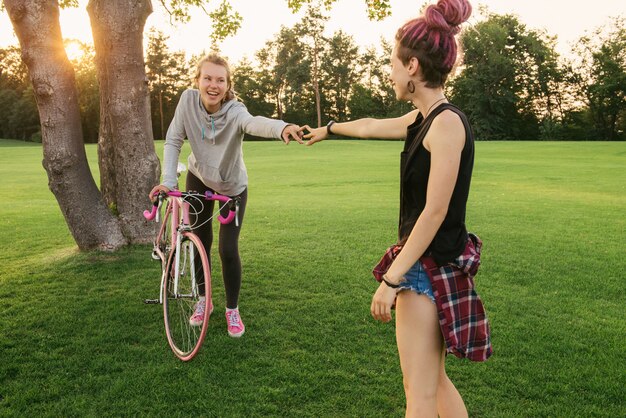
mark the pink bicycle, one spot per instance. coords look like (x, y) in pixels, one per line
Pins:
(184, 265)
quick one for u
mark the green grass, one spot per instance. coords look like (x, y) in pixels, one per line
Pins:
(76, 339)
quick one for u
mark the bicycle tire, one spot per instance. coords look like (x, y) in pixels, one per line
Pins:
(179, 304)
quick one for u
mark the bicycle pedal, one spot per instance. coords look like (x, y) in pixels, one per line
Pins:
(151, 301)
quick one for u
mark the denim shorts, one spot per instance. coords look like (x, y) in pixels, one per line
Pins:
(417, 279)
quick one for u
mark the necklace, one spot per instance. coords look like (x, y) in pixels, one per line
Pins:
(433, 105)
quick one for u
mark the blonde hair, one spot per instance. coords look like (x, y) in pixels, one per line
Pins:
(217, 60)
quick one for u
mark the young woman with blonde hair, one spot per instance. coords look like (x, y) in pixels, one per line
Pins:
(214, 122)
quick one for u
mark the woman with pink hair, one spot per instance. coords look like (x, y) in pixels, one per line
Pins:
(436, 169)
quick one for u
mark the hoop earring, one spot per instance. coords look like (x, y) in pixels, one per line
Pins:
(410, 86)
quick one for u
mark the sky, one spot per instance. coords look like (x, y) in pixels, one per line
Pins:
(262, 19)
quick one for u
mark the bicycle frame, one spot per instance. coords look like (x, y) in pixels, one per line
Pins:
(177, 210)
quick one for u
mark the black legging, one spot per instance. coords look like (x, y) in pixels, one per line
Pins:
(228, 239)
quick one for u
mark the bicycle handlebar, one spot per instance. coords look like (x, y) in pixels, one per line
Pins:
(151, 214)
(232, 210)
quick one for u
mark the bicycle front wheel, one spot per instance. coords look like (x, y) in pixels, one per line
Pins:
(187, 273)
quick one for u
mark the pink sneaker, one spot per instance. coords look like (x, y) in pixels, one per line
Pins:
(198, 315)
(235, 325)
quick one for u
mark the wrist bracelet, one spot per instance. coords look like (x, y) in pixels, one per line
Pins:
(328, 125)
(388, 283)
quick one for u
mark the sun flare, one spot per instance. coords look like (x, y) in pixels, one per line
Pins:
(74, 49)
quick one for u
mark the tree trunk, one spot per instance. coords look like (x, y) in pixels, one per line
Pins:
(36, 23)
(279, 106)
(316, 86)
(129, 167)
(612, 126)
(161, 118)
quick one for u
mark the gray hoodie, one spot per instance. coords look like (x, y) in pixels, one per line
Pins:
(216, 142)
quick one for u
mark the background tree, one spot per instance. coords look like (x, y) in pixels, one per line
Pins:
(571, 120)
(286, 69)
(506, 73)
(8, 98)
(312, 33)
(388, 95)
(88, 92)
(23, 118)
(366, 99)
(542, 95)
(226, 21)
(251, 89)
(376, 9)
(169, 75)
(18, 111)
(339, 72)
(268, 85)
(373, 94)
(601, 78)
(13, 71)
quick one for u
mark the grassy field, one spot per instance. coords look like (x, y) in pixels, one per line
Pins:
(76, 339)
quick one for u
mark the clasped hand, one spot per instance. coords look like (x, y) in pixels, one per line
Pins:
(293, 132)
(315, 134)
(297, 132)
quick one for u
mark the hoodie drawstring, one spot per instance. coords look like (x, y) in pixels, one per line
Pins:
(212, 130)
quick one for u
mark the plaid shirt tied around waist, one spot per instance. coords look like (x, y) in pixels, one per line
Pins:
(462, 318)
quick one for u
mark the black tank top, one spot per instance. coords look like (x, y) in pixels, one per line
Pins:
(450, 239)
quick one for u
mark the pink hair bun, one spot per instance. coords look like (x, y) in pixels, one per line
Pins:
(431, 38)
(448, 15)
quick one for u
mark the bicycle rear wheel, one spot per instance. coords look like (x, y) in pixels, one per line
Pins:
(181, 293)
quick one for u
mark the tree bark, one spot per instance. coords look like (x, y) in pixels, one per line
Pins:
(161, 118)
(316, 84)
(279, 106)
(36, 23)
(129, 167)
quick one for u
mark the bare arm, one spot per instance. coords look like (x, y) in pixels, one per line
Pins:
(445, 141)
(393, 128)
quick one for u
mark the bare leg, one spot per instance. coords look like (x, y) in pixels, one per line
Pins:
(419, 345)
(449, 401)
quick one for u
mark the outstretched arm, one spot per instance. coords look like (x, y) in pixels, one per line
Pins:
(393, 128)
(268, 128)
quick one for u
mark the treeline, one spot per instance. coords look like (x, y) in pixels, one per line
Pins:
(511, 83)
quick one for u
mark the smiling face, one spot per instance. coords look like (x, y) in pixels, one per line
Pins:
(399, 75)
(213, 85)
